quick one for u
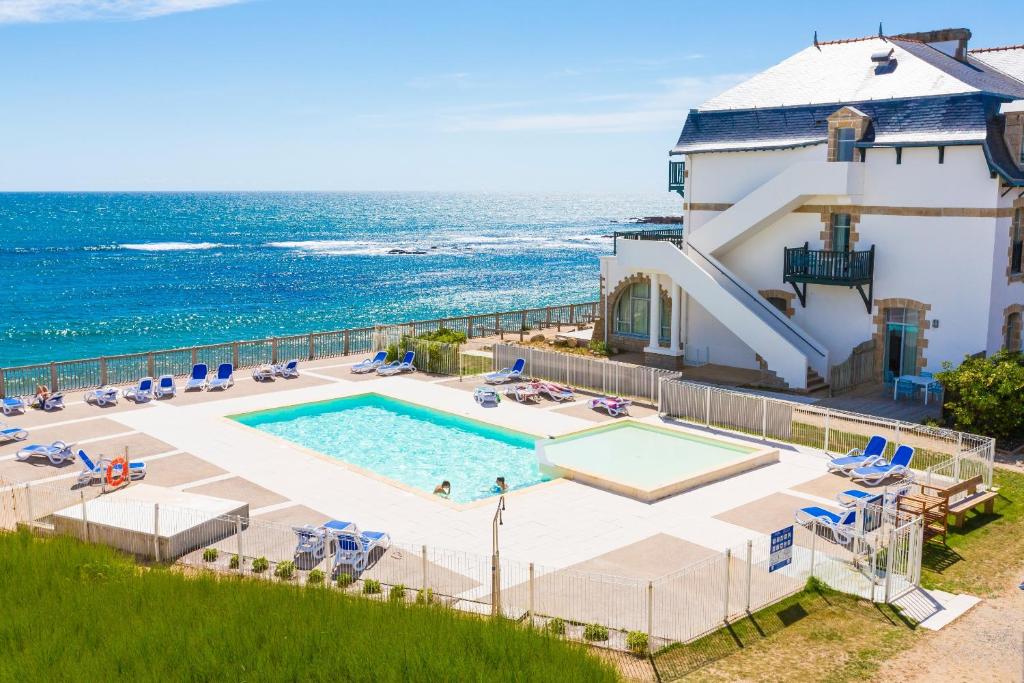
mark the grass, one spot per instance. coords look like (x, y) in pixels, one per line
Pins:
(78, 612)
(987, 552)
(815, 635)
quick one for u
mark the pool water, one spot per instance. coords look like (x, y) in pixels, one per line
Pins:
(416, 446)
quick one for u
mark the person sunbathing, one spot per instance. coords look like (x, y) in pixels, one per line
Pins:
(42, 393)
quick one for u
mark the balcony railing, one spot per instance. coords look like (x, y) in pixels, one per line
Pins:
(802, 265)
(673, 235)
(677, 176)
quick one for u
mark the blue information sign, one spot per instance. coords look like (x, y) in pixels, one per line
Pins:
(782, 549)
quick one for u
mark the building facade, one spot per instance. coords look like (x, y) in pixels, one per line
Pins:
(862, 190)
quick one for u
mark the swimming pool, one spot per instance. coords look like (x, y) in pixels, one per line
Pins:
(648, 462)
(408, 443)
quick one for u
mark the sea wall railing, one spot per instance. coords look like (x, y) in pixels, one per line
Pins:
(70, 375)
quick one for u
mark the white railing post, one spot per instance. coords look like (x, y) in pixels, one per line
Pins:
(828, 414)
(156, 532)
(650, 613)
(764, 419)
(238, 542)
(725, 597)
(750, 565)
(707, 406)
(889, 567)
(85, 517)
(814, 544)
(28, 505)
(530, 596)
(423, 567)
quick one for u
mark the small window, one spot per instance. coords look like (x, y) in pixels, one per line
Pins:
(840, 232)
(1012, 341)
(1016, 241)
(779, 303)
(844, 144)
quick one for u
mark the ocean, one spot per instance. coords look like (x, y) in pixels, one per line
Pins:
(90, 274)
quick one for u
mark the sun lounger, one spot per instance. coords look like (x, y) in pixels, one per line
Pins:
(507, 374)
(614, 405)
(858, 457)
(853, 497)
(287, 370)
(309, 546)
(263, 373)
(12, 404)
(486, 395)
(103, 396)
(396, 367)
(354, 548)
(523, 393)
(370, 364)
(839, 525)
(199, 377)
(556, 392)
(57, 452)
(873, 474)
(165, 387)
(141, 392)
(224, 379)
(53, 402)
(92, 471)
(8, 433)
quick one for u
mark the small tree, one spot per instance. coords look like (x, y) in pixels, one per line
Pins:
(986, 395)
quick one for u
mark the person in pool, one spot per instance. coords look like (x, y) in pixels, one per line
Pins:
(444, 489)
(500, 486)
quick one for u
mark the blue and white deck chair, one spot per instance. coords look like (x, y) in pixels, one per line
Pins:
(57, 452)
(873, 474)
(394, 368)
(860, 457)
(286, 370)
(165, 387)
(309, 546)
(224, 379)
(12, 404)
(8, 433)
(98, 470)
(198, 378)
(103, 396)
(53, 402)
(840, 527)
(507, 374)
(370, 364)
(141, 392)
(354, 548)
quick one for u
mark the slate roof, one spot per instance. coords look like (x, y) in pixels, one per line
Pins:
(843, 72)
(1009, 60)
(951, 119)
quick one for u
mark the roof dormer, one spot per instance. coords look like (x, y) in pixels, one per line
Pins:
(846, 126)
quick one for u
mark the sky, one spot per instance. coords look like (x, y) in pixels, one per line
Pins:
(441, 96)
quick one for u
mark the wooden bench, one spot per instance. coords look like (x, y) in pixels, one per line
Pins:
(973, 499)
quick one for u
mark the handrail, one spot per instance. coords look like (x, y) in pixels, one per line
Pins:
(673, 235)
(828, 265)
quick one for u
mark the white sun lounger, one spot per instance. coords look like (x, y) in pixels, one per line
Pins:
(57, 452)
(224, 379)
(103, 396)
(165, 387)
(141, 392)
(198, 378)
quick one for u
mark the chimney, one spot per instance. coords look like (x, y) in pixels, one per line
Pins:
(952, 41)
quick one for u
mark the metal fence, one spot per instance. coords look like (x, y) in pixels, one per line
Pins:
(92, 372)
(937, 451)
(881, 563)
(592, 374)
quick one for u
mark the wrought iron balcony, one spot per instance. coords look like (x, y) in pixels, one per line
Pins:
(673, 235)
(804, 266)
(677, 176)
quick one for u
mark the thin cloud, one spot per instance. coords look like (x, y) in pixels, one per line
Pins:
(42, 11)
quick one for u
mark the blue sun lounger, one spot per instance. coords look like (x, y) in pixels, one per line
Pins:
(198, 379)
(12, 404)
(165, 387)
(858, 457)
(224, 379)
(353, 548)
(57, 452)
(12, 433)
(53, 401)
(141, 392)
(93, 470)
(286, 370)
(900, 464)
(370, 364)
(102, 396)
(841, 526)
(394, 368)
(507, 374)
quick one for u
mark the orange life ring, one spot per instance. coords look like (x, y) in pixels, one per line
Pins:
(113, 478)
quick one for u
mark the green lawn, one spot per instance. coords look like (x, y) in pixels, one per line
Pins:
(77, 612)
(987, 552)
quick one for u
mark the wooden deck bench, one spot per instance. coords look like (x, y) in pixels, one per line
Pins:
(973, 499)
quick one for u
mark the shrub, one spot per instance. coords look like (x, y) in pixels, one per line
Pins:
(397, 593)
(425, 596)
(636, 641)
(595, 632)
(285, 570)
(444, 335)
(315, 578)
(344, 580)
(260, 565)
(371, 587)
(556, 626)
(598, 348)
(983, 395)
(233, 562)
(210, 555)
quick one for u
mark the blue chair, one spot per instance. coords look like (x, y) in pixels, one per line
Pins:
(858, 457)
(396, 367)
(900, 464)
(905, 389)
(199, 378)
(841, 526)
(224, 379)
(935, 388)
(12, 404)
(12, 433)
(353, 548)
(97, 470)
(370, 364)
(507, 374)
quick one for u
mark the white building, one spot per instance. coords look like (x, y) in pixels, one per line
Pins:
(864, 190)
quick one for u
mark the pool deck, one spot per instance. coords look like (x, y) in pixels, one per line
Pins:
(189, 444)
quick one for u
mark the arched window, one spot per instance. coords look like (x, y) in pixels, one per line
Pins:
(632, 313)
(1012, 341)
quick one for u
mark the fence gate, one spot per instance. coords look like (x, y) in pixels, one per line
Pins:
(903, 559)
